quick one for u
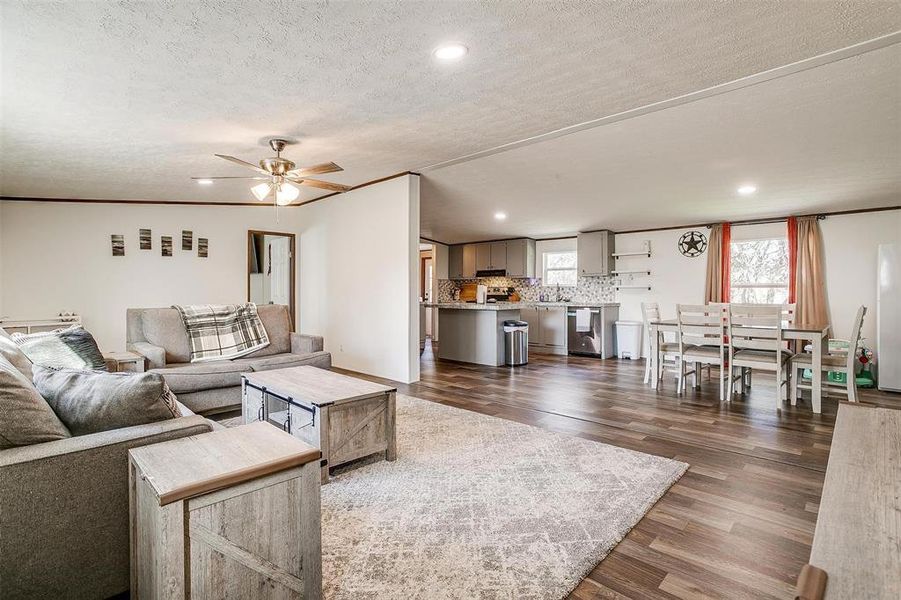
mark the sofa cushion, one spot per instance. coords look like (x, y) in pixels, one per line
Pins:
(283, 361)
(164, 327)
(25, 417)
(69, 348)
(277, 323)
(213, 401)
(11, 352)
(91, 401)
(187, 377)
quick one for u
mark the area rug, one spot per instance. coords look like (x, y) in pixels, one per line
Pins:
(478, 507)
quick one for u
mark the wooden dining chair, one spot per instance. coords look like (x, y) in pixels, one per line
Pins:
(836, 362)
(701, 342)
(650, 311)
(755, 342)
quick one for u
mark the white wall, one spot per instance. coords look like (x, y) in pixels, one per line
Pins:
(359, 271)
(850, 243)
(58, 257)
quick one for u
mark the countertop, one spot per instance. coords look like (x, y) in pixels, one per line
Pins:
(512, 305)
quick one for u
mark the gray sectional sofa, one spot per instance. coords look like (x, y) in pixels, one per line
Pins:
(64, 509)
(210, 387)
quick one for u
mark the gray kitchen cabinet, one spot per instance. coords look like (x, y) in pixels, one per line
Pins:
(469, 261)
(498, 252)
(483, 256)
(553, 328)
(455, 262)
(530, 315)
(595, 252)
(547, 328)
(521, 258)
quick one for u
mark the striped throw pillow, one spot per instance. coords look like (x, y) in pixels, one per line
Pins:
(70, 348)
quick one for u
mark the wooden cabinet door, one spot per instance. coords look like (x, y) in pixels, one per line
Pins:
(531, 315)
(553, 326)
(498, 252)
(483, 257)
(588, 246)
(469, 261)
(516, 258)
(455, 262)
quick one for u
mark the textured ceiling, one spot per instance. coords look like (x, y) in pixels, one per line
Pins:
(127, 100)
(824, 139)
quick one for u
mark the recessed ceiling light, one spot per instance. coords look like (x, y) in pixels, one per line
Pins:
(452, 51)
(205, 181)
(747, 190)
(500, 216)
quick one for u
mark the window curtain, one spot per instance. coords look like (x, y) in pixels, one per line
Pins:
(810, 275)
(719, 264)
(792, 237)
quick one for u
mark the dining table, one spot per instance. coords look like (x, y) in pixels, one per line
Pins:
(816, 333)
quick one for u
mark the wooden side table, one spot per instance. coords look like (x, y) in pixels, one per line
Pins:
(232, 513)
(124, 362)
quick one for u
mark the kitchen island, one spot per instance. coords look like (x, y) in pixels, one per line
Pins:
(474, 333)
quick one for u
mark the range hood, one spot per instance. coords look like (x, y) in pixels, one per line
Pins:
(492, 273)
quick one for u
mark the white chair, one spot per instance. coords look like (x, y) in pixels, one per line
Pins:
(650, 311)
(701, 342)
(838, 362)
(755, 342)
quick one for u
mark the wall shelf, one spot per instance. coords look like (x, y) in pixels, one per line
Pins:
(622, 254)
(637, 272)
(633, 287)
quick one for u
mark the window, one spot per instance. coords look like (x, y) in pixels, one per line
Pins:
(559, 268)
(759, 271)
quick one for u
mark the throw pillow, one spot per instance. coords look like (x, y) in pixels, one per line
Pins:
(11, 352)
(71, 348)
(25, 417)
(93, 401)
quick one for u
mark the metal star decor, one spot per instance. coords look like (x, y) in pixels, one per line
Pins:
(692, 244)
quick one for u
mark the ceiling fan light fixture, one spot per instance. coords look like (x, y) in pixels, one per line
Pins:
(261, 191)
(286, 194)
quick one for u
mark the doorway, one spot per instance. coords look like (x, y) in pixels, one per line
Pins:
(271, 269)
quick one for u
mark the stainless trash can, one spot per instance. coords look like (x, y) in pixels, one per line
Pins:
(516, 343)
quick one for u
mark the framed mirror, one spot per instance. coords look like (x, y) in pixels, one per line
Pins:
(271, 269)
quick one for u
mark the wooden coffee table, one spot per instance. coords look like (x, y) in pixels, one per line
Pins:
(345, 417)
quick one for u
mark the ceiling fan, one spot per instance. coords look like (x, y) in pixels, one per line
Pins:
(280, 174)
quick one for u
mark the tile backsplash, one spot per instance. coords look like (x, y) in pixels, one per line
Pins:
(588, 289)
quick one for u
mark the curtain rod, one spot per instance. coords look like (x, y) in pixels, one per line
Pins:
(765, 221)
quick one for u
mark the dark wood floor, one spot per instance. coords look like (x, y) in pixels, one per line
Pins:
(737, 525)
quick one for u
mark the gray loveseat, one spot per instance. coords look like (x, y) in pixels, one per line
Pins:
(210, 387)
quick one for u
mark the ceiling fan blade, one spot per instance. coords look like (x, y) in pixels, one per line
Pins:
(326, 185)
(328, 167)
(259, 178)
(243, 163)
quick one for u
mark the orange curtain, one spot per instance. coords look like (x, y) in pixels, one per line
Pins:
(792, 235)
(716, 287)
(810, 274)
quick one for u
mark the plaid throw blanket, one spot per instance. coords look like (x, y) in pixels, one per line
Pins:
(223, 331)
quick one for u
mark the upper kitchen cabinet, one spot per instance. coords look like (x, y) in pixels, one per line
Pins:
(516, 257)
(521, 258)
(455, 262)
(595, 252)
(491, 256)
(469, 261)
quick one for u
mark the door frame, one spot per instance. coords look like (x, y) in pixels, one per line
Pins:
(292, 309)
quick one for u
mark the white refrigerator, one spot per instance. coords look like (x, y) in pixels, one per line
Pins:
(888, 317)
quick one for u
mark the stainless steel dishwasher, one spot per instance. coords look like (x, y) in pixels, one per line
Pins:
(597, 341)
